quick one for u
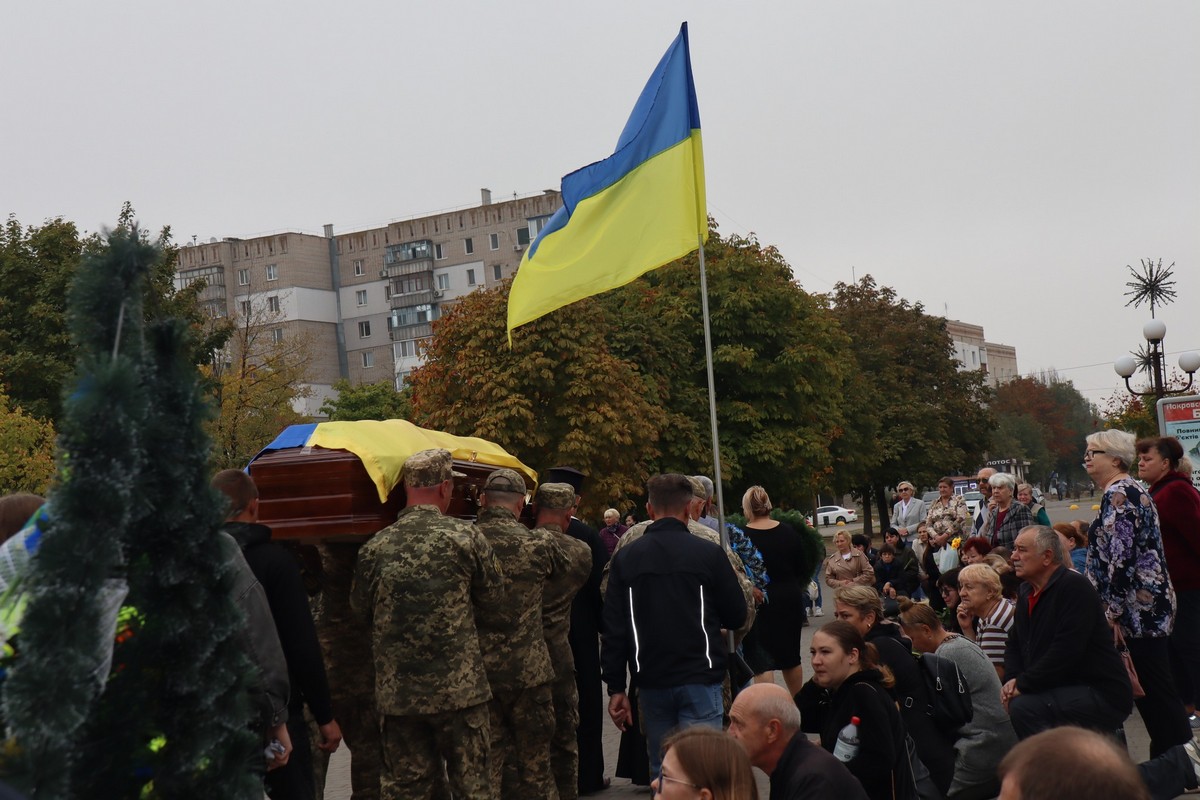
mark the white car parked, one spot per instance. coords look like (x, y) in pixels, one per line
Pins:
(832, 515)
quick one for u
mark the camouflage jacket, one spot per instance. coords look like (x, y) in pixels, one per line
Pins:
(514, 646)
(570, 574)
(419, 584)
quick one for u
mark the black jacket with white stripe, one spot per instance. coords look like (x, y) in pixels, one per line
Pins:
(669, 595)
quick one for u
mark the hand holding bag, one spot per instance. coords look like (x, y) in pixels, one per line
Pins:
(1127, 660)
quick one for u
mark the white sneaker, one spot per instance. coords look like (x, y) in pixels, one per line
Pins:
(819, 612)
(1194, 756)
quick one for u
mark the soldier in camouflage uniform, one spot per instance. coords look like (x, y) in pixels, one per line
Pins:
(346, 646)
(514, 649)
(419, 585)
(554, 502)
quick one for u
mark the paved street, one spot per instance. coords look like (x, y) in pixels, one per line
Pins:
(338, 785)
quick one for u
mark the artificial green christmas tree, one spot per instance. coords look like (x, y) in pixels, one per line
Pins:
(167, 715)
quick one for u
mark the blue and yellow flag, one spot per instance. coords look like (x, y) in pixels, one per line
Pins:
(638, 209)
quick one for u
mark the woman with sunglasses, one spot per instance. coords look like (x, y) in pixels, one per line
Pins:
(701, 762)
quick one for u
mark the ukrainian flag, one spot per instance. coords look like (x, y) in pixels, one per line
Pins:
(638, 209)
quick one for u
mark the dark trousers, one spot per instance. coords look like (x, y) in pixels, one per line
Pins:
(1066, 705)
(1185, 646)
(1168, 775)
(294, 780)
(591, 723)
(1161, 709)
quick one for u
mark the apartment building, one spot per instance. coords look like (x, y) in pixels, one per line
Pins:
(997, 361)
(365, 299)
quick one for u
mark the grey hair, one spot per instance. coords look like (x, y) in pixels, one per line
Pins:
(708, 484)
(1121, 445)
(612, 511)
(1046, 538)
(1003, 479)
(902, 484)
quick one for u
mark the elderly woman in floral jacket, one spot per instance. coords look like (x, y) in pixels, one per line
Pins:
(1125, 563)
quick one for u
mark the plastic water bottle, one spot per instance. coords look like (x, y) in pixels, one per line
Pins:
(847, 742)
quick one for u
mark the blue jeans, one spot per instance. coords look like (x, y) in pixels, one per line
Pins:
(818, 577)
(665, 710)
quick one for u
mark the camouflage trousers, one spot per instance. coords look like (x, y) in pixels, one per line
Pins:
(564, 747)
(415, 746)
(522, 728)
(346, 646)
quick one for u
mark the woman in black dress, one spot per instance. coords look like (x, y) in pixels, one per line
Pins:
(774, 641)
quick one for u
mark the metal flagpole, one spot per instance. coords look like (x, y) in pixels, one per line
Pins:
(712, 412)
(712, 399)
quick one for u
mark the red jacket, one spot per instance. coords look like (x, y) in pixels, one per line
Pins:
(1178, 505)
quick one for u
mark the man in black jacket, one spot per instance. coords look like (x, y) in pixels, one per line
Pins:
(669, 596)
(764, 718)
(279, 574)
(1060, 663)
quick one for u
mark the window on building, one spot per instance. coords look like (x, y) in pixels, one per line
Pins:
(368, 359)
(273, 304)
(245, 308)
(443, 281)
(470, 277)
(523, 236)
(358, 267)
(387, 291)
(364, 329)
(360, 297)
(406, 349)
(469, 246)
(243, 277)
(276, 335)
(272, 272)
(437, 252)
(497, 273)
(494, 241)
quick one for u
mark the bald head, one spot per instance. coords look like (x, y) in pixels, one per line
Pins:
(764, 718)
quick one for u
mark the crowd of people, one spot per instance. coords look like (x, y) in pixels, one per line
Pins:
(1054, 633)
(465, 659)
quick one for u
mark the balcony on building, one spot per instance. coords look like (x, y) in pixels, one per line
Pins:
(409, 258)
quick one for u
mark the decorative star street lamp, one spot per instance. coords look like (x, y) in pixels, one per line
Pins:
(1153, 359)
(1153, 285)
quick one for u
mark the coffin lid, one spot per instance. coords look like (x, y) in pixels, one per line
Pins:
(383, 445)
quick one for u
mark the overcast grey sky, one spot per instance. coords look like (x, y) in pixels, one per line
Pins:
(1001, 162)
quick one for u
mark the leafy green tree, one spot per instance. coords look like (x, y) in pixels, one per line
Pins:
(1126, 412)
(780, 364)
(558, 396)
(616, 385)
(1054, 408)
(36, 266)
(367, 401)
(922, 416)
(26, 450)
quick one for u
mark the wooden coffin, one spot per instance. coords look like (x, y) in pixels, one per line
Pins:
(311, 494)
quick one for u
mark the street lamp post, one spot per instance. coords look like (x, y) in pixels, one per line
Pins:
(1155, 332)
